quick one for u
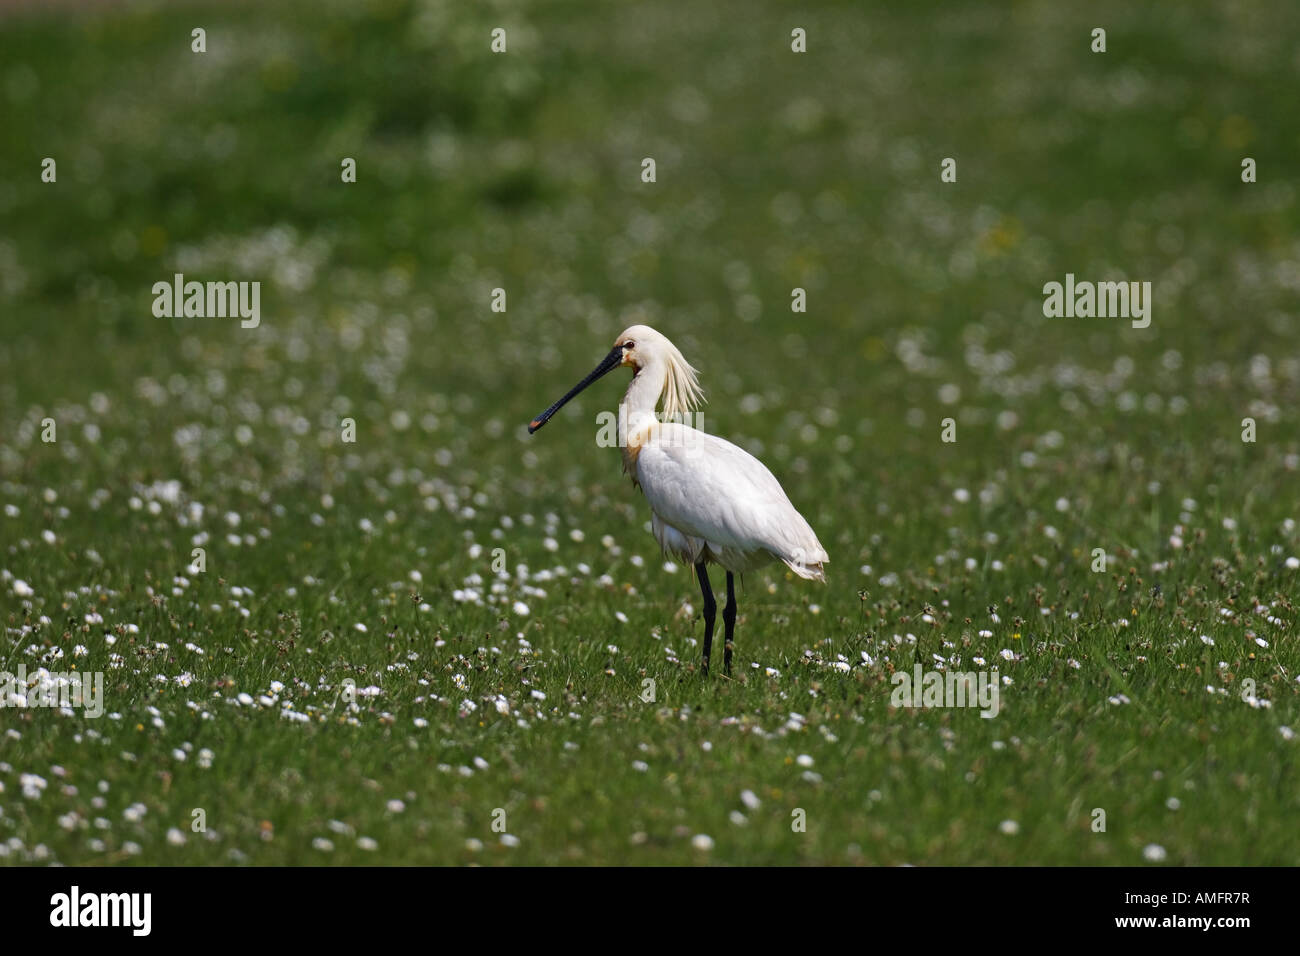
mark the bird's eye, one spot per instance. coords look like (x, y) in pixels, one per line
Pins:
(628, 345)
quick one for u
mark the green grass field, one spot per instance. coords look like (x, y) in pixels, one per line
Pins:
(429, 646)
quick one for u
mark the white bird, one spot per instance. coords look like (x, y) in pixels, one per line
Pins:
(710, 501)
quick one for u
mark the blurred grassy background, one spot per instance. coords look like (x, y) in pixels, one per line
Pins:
(776, 170)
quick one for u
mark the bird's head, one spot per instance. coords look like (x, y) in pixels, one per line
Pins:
(642, 346)
(645, 351)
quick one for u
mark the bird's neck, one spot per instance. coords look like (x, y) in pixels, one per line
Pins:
(637, 413)
(644, 390)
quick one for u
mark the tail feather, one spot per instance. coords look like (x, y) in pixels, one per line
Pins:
(808, 567)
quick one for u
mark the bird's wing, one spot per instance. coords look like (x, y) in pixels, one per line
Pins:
(707, 487)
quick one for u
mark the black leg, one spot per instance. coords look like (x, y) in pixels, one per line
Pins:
(710, 611)
(729, 622)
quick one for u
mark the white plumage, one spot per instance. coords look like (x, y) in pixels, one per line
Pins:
(714, 501)
(710, 501)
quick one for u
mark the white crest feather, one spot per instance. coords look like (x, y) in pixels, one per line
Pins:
(682, 393)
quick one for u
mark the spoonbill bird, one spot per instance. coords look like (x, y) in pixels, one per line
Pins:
(710, 501)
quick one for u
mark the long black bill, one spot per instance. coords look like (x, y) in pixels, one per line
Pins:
(612, 361)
